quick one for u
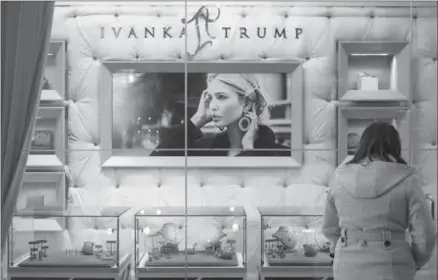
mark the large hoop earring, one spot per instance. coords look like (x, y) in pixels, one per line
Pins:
(244, 123)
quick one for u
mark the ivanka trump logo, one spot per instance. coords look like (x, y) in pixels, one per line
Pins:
(202, 21)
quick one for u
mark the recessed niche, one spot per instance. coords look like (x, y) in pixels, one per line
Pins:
(352, 122)
(42, 191)
(54, 73)
(373, 71)
(48, 142)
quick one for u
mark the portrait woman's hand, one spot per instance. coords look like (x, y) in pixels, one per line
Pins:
(250, 136)
(202, 115)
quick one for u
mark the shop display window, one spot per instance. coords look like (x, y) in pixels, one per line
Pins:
(131, 74)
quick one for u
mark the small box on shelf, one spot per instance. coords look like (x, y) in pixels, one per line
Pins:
(48, 143)
(373, 71)
(54, 73)
(352, 121)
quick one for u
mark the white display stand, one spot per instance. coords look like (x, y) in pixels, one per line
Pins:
(143, 272)
(267, 272)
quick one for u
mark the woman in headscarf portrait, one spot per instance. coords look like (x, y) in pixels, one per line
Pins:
(235, 104)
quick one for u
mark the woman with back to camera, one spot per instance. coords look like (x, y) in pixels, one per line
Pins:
(371, 201)
(234, 103)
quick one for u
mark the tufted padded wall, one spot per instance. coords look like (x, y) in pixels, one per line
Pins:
(323, 26)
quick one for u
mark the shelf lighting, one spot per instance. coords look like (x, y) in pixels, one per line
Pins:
(158, 212)
(235, 227)
(370, 54)
(232, 209)
(131, 78)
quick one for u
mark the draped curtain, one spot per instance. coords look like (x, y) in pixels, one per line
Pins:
(25, 39)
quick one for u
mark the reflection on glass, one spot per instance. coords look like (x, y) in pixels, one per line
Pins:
(291, 236)
(207, 237)
(356, 128)
(229, 114)
(145, 107)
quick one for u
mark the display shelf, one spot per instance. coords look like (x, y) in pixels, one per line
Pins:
(219, 272)
(43, 162)
(353, 120)
(42, 190)
(28, 225)
(115, 272)
(136, 161)
(386, 65)
(49, 141)
(307, 272)
(54, 73)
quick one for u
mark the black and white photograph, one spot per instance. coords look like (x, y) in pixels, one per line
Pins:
(227, 113)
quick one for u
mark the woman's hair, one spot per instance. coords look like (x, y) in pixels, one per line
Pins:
(379, 140)
(245, 85)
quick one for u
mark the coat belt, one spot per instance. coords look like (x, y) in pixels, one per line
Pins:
(382, 235)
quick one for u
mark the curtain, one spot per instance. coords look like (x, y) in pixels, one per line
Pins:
(25, 39)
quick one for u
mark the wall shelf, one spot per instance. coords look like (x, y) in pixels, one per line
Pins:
(389, 62)
(49, 141)
(45, 188)
(54, 73)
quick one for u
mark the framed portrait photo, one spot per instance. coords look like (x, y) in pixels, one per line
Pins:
(157, 113)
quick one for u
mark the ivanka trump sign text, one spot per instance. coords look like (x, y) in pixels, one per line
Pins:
(201, 17)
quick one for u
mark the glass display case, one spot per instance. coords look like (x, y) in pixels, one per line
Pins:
(202, 241)
(292, 243)
(76, 242)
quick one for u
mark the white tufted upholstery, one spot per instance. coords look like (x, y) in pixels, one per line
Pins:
(322, 26)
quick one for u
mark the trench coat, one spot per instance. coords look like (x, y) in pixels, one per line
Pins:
(199, 144)
(373, 197)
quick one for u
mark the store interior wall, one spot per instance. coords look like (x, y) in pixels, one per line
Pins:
(323, 26)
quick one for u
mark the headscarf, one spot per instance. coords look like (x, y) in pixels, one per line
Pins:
(245, 85)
